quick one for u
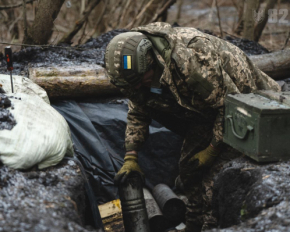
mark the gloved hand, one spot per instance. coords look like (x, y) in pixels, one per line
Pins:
(203, 159)
(190, 171)
(130, 167)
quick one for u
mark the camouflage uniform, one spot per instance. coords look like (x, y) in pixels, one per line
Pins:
(199, 70)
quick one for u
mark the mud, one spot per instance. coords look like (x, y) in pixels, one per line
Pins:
(49, 200)
(255, 195)
(7, 121)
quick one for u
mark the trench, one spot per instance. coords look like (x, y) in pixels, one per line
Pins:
(231, 195)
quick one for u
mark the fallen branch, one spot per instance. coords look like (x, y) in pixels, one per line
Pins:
(15, 6)
(275, 64)
(78, 25)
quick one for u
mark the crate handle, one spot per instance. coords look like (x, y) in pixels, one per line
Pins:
(249, 128)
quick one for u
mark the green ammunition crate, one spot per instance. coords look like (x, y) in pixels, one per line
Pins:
(258, 126)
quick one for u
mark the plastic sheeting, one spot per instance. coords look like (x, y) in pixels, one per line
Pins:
(98, 132)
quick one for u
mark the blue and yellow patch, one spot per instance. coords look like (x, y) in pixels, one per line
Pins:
(127, 60)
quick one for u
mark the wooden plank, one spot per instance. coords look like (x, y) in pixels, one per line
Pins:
(110, 208)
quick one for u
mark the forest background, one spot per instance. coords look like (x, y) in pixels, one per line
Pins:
(42, 22)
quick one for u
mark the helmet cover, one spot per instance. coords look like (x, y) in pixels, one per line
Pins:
(127, 58)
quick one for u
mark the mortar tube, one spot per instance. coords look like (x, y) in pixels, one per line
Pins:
(134, 211)
(171, 206)
(157, 221)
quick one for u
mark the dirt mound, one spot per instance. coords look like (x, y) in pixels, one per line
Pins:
(50, 200)
(255, 194)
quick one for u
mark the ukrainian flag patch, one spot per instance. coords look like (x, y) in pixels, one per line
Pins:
(127, 60)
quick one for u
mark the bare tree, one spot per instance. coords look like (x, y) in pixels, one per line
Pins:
(249, 19)
(78, 25)
(41, 29)
(13, 27)
(260, 26)
(240, 8)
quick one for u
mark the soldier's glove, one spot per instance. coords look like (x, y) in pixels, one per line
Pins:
(191, 170)
(130, 167)
(203, 159)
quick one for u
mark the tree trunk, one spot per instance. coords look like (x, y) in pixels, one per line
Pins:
(261, 25)
(41, 30)
(240, 25)
(249, 19)
(78, 25)
(13, 29)
(275, 64)
(73, 81)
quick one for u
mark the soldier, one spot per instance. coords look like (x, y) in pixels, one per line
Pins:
(187, 74)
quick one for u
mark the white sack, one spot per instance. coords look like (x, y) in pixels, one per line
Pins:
(41, 135)
(22, 85)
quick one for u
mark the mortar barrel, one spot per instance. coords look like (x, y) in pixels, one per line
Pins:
(157, 221)
(134, 211)
(171, 206)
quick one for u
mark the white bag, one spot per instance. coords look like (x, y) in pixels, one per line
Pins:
(22, 85)
(41, 135)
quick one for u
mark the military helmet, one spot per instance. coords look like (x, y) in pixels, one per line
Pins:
(127, 58)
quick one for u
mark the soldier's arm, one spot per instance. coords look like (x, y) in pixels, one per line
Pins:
(137, 129)
(206, 79)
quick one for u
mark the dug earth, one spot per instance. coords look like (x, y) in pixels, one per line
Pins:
(248, 196)
(50, 200)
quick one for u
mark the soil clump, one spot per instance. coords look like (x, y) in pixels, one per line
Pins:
(7, 120)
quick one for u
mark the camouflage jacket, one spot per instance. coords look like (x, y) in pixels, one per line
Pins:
(199, 70)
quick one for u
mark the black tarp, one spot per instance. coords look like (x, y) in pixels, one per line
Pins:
(98, 132)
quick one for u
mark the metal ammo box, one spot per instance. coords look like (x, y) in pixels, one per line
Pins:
(259, 125)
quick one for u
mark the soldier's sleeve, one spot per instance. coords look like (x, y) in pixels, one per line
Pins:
(206, 80)
(137, 129)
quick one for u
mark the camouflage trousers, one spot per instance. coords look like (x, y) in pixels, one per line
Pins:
(198, 187)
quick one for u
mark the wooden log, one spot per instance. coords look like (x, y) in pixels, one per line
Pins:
(73, 81)
(275, 64)
(91, 80)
